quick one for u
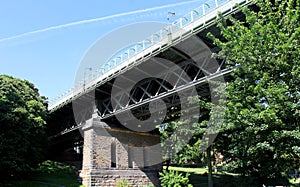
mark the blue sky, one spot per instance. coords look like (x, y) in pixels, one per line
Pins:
(49, 52)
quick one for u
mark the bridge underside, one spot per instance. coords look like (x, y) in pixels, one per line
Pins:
(145, 93)
(96, 111)
(62, 121)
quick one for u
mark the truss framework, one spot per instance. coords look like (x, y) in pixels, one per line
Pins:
(139, 104)
(153, 89)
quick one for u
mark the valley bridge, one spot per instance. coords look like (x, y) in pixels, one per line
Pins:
(107, 125)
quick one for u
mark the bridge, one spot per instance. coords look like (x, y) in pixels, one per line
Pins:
(108, 123)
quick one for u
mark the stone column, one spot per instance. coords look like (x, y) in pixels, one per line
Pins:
(90, 131)
(103, 144)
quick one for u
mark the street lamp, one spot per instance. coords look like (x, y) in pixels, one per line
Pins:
(84, 76)
(172, 14)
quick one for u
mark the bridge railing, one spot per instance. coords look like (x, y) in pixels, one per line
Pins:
(158, 38)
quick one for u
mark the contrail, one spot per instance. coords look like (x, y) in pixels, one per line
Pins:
(95, 20)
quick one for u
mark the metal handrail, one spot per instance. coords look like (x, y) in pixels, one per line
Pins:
(134, 50)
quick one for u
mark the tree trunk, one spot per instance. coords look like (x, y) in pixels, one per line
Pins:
(210, 180)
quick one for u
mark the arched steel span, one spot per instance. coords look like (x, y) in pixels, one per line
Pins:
(192, 23)
(162, 44)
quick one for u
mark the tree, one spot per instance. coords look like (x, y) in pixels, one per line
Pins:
(22, 119)
(262, 130)
(192, 151)
(187, 152)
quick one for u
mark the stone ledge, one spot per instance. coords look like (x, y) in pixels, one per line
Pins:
(94, 123)
(107, 177)
(115, 172)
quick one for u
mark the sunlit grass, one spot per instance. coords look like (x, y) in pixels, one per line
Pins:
(199, 177)
(188, 170)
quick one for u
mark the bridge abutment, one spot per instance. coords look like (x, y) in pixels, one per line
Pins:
(112, 154)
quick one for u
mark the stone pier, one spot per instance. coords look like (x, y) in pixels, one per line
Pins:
(113, 154)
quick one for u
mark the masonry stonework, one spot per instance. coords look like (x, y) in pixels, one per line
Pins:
(112, 154)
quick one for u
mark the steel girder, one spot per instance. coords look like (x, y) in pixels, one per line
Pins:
(153, 89)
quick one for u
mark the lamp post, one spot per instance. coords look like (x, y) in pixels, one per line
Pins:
(84, 76)
(171, 14)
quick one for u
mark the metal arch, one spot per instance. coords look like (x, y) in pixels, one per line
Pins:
(168, 95)
(173, 99)
(199, 24)
(193, 26)
(148, 92)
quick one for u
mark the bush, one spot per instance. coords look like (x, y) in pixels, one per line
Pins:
(174, 179)
(122, 183)
(49, 166)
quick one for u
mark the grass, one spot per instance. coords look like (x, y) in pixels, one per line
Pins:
(189, 170)
(25, 184)
(198, 178)
(51, 174)
(46, 180)
(48, 174)
(64, 179)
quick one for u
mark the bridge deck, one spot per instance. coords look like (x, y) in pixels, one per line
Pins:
(193, 23)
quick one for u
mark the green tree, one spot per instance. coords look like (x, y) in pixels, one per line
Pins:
(196, 150)
(187, 152)
(262, 130)
(22, 119)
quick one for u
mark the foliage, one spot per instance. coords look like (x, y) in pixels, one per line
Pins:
(174, 179)
(261, 135)
(187, 152)
(49, 166)
(22, 120)
(122, 183)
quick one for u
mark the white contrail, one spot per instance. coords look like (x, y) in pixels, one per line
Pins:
(94, 20)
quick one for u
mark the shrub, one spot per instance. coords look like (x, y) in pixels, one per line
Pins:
(49, 166)
(122, 183)
(174, 179)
